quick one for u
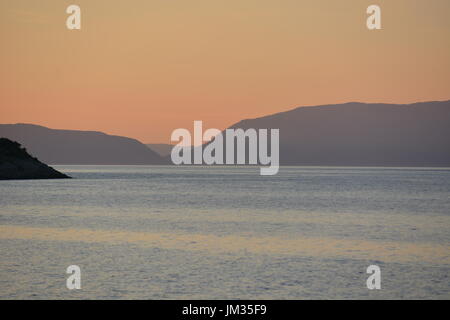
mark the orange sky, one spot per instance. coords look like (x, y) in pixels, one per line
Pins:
(143, 68)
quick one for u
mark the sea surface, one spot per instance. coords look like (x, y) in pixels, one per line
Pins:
(160, 232)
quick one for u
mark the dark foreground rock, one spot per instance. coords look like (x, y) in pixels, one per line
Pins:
(16, 163)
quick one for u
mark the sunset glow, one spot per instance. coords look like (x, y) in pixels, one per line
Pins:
(143, 69)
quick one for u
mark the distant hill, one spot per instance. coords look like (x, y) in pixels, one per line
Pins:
(350, 134)
(162, 149)
(79, 147)
(16, 163)
(360, 134)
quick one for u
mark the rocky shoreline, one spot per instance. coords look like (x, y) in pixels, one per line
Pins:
(16, 163)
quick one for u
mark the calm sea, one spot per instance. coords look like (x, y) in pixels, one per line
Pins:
(154, 232)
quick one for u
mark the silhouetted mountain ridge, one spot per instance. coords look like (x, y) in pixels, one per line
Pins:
(80, 147)
(362, 134)
(349, 134)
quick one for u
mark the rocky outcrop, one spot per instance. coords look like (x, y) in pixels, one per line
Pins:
(16, 163)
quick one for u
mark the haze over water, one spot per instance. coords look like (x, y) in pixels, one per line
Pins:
(155, 232)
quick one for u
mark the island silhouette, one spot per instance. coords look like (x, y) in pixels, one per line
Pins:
(16, 163)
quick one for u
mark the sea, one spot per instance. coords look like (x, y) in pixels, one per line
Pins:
(195, 232)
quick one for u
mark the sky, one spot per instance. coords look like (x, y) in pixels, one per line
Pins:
(144, 68)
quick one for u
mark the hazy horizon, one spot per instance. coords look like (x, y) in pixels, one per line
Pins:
(237, 121)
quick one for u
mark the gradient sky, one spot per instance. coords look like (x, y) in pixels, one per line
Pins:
(143, 68)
